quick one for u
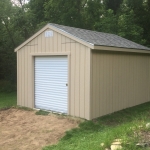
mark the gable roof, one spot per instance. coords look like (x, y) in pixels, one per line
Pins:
(91, 39)
(100, 38)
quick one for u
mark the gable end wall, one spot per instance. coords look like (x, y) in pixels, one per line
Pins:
(79, 68)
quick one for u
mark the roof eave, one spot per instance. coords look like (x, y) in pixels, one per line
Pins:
(49, 26)
(109, 48)
(32, 37)
(88, 44)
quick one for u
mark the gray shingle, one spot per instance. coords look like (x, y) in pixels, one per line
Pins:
(100, 38)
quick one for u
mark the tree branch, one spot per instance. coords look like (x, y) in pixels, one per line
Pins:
(84, 3)
(9, 33)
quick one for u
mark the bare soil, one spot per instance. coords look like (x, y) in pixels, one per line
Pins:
(23, 130)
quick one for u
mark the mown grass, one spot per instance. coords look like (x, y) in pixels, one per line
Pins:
(7, 100)
(120, 125)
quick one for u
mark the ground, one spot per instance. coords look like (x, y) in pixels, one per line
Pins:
(23, 130)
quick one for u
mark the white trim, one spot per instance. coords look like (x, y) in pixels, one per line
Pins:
(46, 54)
(32, 37)
(81, 41)
(49, 26)
(72, 35)
(117, 49)
(33, 55)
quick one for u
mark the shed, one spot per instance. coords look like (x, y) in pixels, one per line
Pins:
(80, 72)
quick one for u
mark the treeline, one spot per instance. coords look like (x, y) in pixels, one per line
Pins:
(20, 20)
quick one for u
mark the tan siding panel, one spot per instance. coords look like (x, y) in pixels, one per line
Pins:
(73, 66)
(59, 43)
(17, 77)
(25, 76)
(79, 101)
(68, 44)
(29, 88)
(82, 80)
(55, 41)
(123, 81)
(22, 77)
(101, 87)
(43, 46)
(77, 81)
(19, 100)
(63, 39)
(87, 65)
(51, 46)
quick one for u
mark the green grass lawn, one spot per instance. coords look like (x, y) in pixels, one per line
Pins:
(7, 100)
(126, 125)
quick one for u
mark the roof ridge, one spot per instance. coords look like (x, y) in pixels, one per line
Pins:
(100, 38)
(83, 29)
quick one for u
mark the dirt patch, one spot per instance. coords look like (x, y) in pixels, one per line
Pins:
(23, 130)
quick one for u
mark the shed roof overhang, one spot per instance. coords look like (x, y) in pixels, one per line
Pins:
(90, 45)
(120, 49)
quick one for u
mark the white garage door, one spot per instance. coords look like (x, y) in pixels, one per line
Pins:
(51, 78)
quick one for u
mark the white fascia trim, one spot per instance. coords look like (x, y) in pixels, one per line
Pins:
(71, 35)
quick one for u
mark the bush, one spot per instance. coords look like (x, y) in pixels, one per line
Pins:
(7, 86)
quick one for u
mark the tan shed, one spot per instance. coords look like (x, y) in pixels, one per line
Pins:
(82, 73)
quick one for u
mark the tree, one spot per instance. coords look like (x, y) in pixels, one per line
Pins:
(11, 35)
(139, 19)
(65, 12)
(107, 22)
(113, 5)
(37, 11)
(93, 10)
(127, 26)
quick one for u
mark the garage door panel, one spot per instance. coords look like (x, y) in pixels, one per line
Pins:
(53, 96)
(53, 86)
(46, 80)
(51, 76)
(52, 102)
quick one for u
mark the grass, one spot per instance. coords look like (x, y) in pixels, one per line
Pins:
(8, 100)
(24, 108)
(126, 125)
(42, 112)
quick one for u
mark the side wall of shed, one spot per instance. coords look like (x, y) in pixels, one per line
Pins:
(79, 71)
(119, 80)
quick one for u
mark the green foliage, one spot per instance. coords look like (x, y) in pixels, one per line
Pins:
(16, 26)
(7, 100)
(127, 18)
(92, 12)
(113, 5)
(107, 22)
(7, 86)
(24, 108)
(36, 9)
(119, 125)
(128, 29)
(65, 12)
(42, 112)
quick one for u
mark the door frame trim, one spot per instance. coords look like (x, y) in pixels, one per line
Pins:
(33, 55)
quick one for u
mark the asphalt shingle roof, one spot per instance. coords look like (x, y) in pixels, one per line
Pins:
(100, 38)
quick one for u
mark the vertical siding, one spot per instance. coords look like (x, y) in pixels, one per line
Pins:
(77, 80)
(79, 96)
(80, 81)
(119, 80)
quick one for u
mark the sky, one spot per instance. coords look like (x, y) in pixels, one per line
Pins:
(16, 2)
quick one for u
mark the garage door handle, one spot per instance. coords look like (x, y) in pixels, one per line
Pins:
(66, 84)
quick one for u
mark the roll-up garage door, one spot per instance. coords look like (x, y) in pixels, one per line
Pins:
(51, 78)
